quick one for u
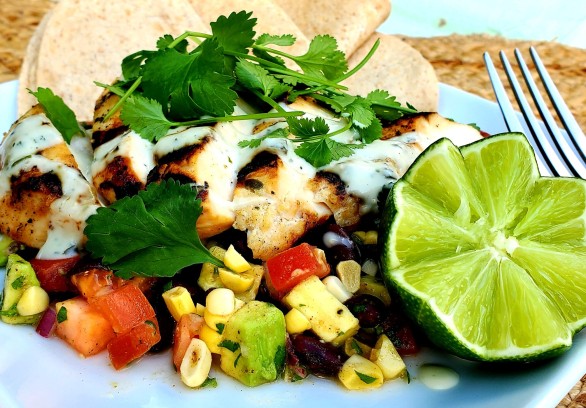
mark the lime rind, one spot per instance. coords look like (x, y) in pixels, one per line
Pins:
(481, 267)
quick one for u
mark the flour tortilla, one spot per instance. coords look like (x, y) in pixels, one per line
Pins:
(28, 71)
(85, 41)
(398, 68)
(351, 22)
(271, 19)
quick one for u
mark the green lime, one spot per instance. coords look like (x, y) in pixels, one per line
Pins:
(488, 257)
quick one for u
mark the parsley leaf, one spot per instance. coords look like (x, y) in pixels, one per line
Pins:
(150, 234)
(387, 107)
(371, 133)
(254, 143)
(60, 115)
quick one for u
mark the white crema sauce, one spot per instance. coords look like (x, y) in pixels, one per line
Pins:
(20, 152)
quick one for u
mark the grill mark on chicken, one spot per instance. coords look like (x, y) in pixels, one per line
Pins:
(24, 212)
(260, 161)
(119, 180)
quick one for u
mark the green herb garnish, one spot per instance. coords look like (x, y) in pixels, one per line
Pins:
(230, 345)
(182, 85)
(150, 234)
(60, 115)
(18, 282)
(367, 379)
(61, 314)
(220, 327)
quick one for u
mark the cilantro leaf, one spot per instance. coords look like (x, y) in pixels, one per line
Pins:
(372, 132)
(229, 344)
(60, 115)
(284, 40)
(166, 40)
(190, 82)
(323, 59)
(306, 128)
(62, 314)
(145, 117)
(234, 33)
(255, 77)
(385, 106)
(324, 151)
(367, 379)
(150, 234)
(254, 143)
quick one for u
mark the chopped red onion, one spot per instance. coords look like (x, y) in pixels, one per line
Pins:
(47, 323)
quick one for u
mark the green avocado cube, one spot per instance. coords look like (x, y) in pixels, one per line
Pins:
(253, 345)
(20, 275)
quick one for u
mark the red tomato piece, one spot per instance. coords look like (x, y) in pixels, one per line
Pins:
(129, 346)
(84, 328)
(290, 267)
(53, 273)
(187, 328)
(95, 282)
(125, 307)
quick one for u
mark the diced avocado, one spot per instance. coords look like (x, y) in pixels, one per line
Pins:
(7, 247)
(253, 345)
(20, 275)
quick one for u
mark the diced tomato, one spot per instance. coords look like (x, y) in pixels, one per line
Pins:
(84, 328)
(53, 273)
(94, 282)
(125, 307)
(127, 347)
(290, 267)
(187, 328)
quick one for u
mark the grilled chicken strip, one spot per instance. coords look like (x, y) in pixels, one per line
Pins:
(44, 196)
(267, 191)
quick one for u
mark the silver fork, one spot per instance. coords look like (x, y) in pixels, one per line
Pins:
(558, 153)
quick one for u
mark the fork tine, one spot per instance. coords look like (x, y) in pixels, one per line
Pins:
(544, 142)
(568, 120)
(510, 116)
(555, 137)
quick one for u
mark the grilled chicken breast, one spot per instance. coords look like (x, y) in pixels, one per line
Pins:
(44, 196)
(267, 191)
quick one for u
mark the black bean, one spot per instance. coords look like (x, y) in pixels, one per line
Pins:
(338, 245)
(322, 359)
(368, 309)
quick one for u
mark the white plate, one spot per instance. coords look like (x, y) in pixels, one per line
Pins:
(36, 372)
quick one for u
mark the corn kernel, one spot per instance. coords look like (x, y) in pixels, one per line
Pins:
(179, 302)
(200, 309)
(238, 303)
(296, 322)
(213, 320)
(349, 273)
(33, 300)
(235, 261)
(238, 282)
(371, 237)
(196, 364)
(208, 276)
(353, 346)
(220, 301)
(387, 358)
(335, 286)
(211, 338)
(359, 373)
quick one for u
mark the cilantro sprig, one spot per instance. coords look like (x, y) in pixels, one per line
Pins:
(150, 234)
(185, 84)
(60, 115)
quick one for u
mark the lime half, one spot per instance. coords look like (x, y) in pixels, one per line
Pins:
(488, 257)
